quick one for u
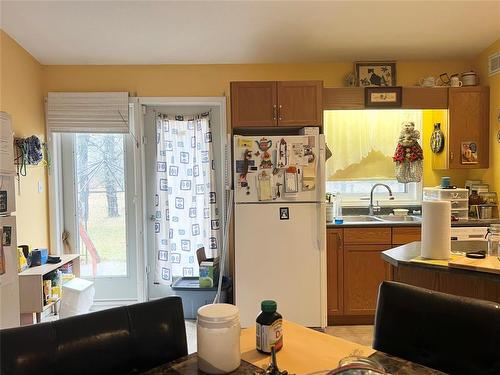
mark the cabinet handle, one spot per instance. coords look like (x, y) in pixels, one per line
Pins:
(452, 155)
(274, 111)
(280, 116)
(339, 243)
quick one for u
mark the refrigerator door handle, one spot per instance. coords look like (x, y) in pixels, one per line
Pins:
(321, 169)
(322, 226)
(323, 267)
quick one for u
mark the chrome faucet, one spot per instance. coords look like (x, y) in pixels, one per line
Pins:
(371, 208)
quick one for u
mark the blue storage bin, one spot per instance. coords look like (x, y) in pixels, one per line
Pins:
(193, 297)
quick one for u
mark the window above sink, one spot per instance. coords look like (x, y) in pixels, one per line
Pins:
(363, 143)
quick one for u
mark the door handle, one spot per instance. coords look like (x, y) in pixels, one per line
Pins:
(279, 113)
(274, 112)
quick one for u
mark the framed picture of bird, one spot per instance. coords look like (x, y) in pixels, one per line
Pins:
(375, 74)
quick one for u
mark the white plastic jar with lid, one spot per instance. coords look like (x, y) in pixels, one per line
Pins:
(218, 331)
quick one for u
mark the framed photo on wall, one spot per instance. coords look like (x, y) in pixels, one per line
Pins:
(375, 74)
(383, 97)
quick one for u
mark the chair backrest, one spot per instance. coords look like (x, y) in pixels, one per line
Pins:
(121, 340)
(453, 334)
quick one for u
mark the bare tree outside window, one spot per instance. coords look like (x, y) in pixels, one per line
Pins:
(101, 203)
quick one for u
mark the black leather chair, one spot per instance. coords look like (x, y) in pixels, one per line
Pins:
(453, 334)
(123, 340)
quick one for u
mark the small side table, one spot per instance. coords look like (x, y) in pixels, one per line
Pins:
(31, 288)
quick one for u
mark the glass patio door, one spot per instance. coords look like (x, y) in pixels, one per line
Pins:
(99, 210)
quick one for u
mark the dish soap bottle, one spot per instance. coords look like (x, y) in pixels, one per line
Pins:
(269, 328)
(339, 219)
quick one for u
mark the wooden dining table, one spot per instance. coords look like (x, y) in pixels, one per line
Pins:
(305, 351)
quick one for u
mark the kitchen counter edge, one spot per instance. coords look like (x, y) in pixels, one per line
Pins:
(468, 223)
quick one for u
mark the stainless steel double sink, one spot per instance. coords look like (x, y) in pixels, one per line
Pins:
(354, 219)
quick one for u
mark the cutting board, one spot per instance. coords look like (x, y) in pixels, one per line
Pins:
(490, 264)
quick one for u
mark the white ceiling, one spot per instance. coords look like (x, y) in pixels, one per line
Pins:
(202, 32)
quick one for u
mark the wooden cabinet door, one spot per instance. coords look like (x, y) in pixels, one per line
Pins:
(364, 270)
(469, 122)
(300, 103)
(404, 235)
(334, 271)
(253, 104)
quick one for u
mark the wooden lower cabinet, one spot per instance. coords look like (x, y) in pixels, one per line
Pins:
(335, 282)
(452, 281)
(355, 269)
(364, 270)
(421, 277)
(404, 235)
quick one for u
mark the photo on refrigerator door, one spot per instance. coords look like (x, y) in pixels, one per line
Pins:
(284, 213)
(276, 168)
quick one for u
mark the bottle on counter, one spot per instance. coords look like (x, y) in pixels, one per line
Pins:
(474, 198)
(494, 240)
(269, 328)
(339, 219)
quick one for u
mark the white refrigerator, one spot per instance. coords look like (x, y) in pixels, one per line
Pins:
(280, 230)
(9, 279)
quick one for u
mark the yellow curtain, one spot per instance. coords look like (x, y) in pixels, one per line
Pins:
(363, 142)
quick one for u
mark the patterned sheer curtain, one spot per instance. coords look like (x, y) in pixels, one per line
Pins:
(186, 203)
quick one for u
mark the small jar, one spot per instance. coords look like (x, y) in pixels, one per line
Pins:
(494, 240)
(474, 198)
(218, 332)
(269, 328)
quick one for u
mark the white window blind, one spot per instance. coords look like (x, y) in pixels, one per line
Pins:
(88, 112)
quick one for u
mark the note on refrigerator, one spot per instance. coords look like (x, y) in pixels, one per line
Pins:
(7, 167)
(265, 188)
(309, 177)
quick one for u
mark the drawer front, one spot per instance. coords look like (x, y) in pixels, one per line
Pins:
(367, 236)
(405, 235)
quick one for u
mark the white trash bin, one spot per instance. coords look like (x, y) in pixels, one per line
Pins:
(77, 297)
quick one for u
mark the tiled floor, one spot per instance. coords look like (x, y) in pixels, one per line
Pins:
(362, 335)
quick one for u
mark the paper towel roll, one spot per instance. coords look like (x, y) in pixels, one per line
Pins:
(436, 229)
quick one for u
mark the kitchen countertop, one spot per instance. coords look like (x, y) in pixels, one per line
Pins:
(405, 253)
(463, 223)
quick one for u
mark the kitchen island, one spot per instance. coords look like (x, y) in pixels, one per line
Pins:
(438, 275)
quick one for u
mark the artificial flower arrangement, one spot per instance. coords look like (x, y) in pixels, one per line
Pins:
(409, 155)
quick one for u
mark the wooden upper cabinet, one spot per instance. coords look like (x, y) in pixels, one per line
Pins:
(343, 98)
(271, 103)
(254, 104)
(300, 103)
(425, 98)
(469, 122)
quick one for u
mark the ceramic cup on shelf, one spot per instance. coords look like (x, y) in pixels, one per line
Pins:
(470, 78)
(455, 82)
(428, 81)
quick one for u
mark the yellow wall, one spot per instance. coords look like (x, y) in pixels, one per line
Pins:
(21, 96)
(493, 175)
(213, 80)
(24, 83)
